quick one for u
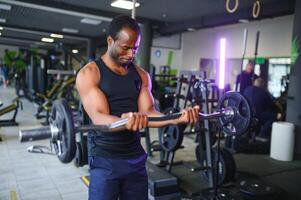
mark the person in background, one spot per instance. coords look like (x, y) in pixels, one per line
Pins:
(263, 107)
(4, 72)
(245, 78)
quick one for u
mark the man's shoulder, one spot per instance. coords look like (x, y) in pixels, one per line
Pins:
(89, 71)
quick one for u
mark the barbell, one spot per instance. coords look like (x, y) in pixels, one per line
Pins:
(234, 116)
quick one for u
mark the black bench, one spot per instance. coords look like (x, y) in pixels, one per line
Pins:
(161, 184)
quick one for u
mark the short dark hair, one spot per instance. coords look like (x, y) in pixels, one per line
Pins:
(122, 21)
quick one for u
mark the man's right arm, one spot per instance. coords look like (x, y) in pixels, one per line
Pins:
(93, 99)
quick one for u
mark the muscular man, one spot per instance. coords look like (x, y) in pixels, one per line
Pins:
(113, 87)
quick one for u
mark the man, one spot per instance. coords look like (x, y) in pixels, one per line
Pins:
(245, 78)
(112, 88)
(262, 105)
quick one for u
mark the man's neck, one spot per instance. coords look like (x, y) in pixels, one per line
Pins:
(115, 67)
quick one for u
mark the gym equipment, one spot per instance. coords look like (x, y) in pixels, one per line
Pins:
(61, 72)
(233, 124)
(226, 168)
(231, 10)
(62, 89)
(256, 9)
(161, 184)
(222, 194)
(63, 130)
(257, 188)
(12, 107)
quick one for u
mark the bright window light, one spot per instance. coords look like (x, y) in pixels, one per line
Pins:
(124, 4)
(74, 51)
(1, 28)
(56, 35)
(50, 40)
(222, 63)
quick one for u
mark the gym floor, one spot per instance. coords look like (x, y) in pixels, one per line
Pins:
(32, 176)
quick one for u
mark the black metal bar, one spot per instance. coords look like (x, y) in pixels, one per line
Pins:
(111, 127)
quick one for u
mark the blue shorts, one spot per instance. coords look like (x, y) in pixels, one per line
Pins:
(111, 179)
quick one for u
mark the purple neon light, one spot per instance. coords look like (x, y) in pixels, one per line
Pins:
(222, 63)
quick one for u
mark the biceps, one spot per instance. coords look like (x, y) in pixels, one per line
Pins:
(145, 101)
(94, 101)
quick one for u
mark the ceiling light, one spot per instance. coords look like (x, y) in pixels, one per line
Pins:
(56, 35)
(2, 20)
(5, 6)
(69, 30)
(0, 33)
(243, 20)
(50, 40)
(124, 4)
(1, 28)
(190, 29)
(74, 51)
(90, 21)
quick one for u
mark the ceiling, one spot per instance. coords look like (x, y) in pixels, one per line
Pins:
(29, 20)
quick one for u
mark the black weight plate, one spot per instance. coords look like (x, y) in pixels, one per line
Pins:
(238, 123)
(256, 188)
(78, 159)
(62, 118)
(171, 137)
(199, 153)
(227, 166)
(222, 194)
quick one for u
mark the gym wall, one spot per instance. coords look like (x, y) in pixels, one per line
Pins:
(275, 40)
(161, 48)
(10, 48)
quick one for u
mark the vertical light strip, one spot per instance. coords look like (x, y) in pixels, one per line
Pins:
(222, 63)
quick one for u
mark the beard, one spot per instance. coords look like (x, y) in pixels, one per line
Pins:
(119, 60)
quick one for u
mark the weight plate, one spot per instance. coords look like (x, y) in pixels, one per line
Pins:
(256, 188)
(227, 166)
(171, 137)
(239, 122)
(64, 141)
(78, 159)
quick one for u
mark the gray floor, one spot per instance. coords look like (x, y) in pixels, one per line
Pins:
(29, 176)
(34, 176)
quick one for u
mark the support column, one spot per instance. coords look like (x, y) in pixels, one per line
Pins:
(91, 49)
(144, 53)
(294, 92)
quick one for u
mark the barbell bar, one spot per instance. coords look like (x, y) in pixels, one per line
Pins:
(234, 117)
(48, 131)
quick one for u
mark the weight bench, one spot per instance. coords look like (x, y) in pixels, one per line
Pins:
(12, 107)
(161, 184)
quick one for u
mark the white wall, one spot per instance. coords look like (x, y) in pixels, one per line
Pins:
(165, 45)
(10, 48)
(275, 40)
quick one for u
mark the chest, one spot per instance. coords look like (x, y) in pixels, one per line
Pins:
(120, 87)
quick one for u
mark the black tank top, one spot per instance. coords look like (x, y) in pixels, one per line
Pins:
(122, 93)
